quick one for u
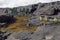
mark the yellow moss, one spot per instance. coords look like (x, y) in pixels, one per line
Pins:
(20, 24)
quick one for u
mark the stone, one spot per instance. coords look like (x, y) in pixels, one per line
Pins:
(22, 35)
(3, 24)
(49, 37)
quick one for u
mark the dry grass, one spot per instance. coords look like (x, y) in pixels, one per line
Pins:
(20, 24)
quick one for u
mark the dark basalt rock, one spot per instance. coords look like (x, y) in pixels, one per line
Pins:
(5, 20)
(34, 7)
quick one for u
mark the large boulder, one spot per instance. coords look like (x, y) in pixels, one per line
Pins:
(6, 19)
(52, 8)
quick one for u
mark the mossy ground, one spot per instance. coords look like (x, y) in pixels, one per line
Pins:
(20, 24)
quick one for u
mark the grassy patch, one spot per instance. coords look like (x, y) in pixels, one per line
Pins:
(20, 24)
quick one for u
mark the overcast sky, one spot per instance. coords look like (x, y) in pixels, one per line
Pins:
(15, 3)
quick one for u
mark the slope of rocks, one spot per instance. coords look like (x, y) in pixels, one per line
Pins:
(41, 33)
(52, 8)
(44, 32)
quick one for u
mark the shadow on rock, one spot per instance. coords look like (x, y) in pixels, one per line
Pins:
(5, 20)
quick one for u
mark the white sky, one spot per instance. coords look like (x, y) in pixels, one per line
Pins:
(15, 3)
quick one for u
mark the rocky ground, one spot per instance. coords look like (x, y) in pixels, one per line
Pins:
(46, 31)
(41, 33)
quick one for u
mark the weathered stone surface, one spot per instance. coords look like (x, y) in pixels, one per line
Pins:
(41, 33)
(23, 35)
(4, 35)
(52, 8)
(44, 32)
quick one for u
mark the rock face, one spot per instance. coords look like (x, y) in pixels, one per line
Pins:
(48, 9)
(45, 32)
(52, 8)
